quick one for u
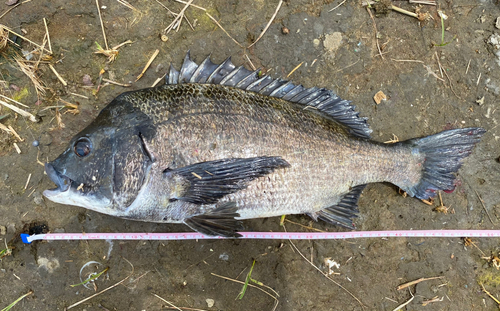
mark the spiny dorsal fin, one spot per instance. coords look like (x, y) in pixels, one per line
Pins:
(228, 74)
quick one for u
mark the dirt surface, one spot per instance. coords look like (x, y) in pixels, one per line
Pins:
(337, 50)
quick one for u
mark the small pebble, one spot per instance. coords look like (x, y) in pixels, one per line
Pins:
(37, 198)
(3, 230)
(35, 143)
(210, 302)
(11, 228)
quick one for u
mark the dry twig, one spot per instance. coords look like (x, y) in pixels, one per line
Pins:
(446, 74)
(393, 140)
(250, 62)
(217, 23)
(12, 8)
(13, 100)
(47, 34)
(407, 60)
(15, 134)
(337, 6)
(401, 306)
(168, 302)
(400, 10)
(405, 285)
(4, 37)
(484, 207)
(428, 2)
(469, 242)
(151, 59)
(112, 53)
(30, 69)
(116, 83)
(305, 227)
(325, 275)
(4, 128)
(442, 208)
(213, 19)
(268, 24)
(293, 70)
(431, 72)
(435, 299)
(178, 19)
(58, 75)
(376, 32)
(25, 39)
(488, 293)
(102, 25)
(128, 5)
(26, 114)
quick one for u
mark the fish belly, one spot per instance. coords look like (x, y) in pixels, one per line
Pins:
(324, 164)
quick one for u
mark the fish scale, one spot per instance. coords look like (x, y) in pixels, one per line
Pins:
(219, 143)
(206, 114)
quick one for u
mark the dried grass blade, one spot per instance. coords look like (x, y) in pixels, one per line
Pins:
(24, 38)
(13, 100)
(102, 25)
(151, 59)
(177, 20)
(26, 114)
(217, 23)
(4, 128)
(128, 5)
(29, 70)
(58, 75)
(47, 32)
(268, 24)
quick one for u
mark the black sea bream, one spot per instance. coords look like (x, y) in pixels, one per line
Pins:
(219, 143)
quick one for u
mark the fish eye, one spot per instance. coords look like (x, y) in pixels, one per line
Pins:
(82, 147)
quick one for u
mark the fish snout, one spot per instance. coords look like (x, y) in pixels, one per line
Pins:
(62, 182)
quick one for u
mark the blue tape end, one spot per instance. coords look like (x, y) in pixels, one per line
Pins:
(24, 237)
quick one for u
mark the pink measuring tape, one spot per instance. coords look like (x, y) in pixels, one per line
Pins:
(265, 235)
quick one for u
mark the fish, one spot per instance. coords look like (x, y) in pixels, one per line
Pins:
(218, 143)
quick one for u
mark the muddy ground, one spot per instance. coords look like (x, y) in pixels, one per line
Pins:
(337, 50)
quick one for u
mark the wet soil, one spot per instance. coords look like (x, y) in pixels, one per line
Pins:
(421, 101)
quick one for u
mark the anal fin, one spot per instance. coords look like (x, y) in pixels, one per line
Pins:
(343, 212)
(219, 222)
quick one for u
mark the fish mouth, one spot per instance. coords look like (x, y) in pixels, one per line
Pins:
(62, 182)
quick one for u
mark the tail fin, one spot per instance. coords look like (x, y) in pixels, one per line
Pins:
(444, 153)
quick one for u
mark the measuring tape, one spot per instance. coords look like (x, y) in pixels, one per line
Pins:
(265, 235)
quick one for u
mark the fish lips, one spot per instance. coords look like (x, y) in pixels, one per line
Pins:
(62, 182)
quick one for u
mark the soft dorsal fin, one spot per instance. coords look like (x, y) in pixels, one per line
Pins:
(226, 73)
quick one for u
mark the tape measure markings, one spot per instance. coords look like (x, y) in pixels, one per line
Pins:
(26, 238)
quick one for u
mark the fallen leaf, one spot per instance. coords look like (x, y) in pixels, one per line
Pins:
(379, 97)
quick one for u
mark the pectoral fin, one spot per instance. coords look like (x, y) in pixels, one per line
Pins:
(220, 221)
(207, 182)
